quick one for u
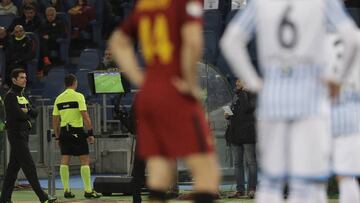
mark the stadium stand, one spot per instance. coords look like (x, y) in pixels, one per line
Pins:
(65, 43)
(6, 20)
(89, 59)
(32, 66)
(83, 84)
(2, 62)
(53, 84)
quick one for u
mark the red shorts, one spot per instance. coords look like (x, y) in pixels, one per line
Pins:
(171, 125)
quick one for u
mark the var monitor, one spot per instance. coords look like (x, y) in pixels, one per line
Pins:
(106, 82)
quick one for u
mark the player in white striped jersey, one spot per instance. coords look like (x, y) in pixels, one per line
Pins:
(294, 104)
(346, 126)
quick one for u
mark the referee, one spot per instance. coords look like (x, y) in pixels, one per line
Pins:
(69, 115)
(18, 114)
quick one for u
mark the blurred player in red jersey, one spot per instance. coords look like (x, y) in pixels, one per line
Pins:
(171, 121)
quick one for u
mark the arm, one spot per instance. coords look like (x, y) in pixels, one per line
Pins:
(56, 126)
(12, 108)
(347, 30)
(123, 52)
(233, 45)
(86, 119)
(191, 50)
(88, 126)
(32, 112)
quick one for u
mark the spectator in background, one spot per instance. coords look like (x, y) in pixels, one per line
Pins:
(81, 16)
(19, 52)
(32, 3)
(241, 134)
(7, 7)
(108, 62)
(57, 4)
(51, 30)
(29, 20)
(3, 38)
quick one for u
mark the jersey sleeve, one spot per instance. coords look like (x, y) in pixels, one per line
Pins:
(82, 103)
(55, 110)
(129, 26)
(190, 11)
(335, 13)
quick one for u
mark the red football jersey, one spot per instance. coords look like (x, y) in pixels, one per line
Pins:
(157, 24)
(169, 123)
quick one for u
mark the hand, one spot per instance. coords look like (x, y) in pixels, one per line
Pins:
(46, 37)
(91, 139)
(25, 110)
(1, 46)
(58, 143)
(185, 88)
(334, 89)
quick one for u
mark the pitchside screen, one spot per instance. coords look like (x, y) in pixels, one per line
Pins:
(108, 82)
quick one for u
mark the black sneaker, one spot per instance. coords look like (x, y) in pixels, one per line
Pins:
(69, 195)
(91, 195)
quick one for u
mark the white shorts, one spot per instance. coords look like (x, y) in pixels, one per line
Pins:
(346, 155)
(298, 148)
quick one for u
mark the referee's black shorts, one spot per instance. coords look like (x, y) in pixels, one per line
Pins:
(73, 142)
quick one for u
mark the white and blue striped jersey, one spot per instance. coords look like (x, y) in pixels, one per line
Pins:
(345, 115)
(291, 39)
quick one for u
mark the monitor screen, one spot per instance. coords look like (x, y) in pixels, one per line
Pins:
(108, 82)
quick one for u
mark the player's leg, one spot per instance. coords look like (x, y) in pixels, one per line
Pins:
(138, 178)
(349, 190)
(346, 165)
(11, 173)
(65, 176)
(273, 160)
(309, 159)
(205, 170)
(270, 191)
(238, 158)
(86, 177)
(161, 173)
(23, 157)
(250, 160)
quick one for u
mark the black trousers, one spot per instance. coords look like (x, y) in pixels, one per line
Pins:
(20, 157)
(138, 181)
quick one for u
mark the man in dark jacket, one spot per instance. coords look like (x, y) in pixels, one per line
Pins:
(19, 52)
(18, 114)
(241, 134)
(51, 30)
(29, 20)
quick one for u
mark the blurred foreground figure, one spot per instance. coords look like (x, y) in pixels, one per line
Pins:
(345, 125)
(294, 93)
(171, 122)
